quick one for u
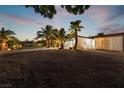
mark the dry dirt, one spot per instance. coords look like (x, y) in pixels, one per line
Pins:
(62, 68)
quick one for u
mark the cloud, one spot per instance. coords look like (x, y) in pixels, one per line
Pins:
(62, 12)
(105, 18)
(19, 20)
(98, 14)
(116, 11)
(57, 19)
(105, 14)
(2, 23)
(112, 28)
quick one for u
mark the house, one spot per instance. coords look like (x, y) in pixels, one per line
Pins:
(83, 43)
(110, 42)
(69, 44)
(105, 42)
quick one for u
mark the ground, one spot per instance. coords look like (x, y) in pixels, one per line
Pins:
(62, 68)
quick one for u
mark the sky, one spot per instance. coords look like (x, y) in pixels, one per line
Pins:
(25, 22)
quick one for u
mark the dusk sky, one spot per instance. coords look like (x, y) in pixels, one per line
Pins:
(25, 23)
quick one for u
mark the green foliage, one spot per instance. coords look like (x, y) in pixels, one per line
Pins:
(40, 44)
(6, 34)
(59, 37)
(75, 9)
(46, 34)
(45, 10)
(48, 11)
(54, 37)
(59, 34)
(14, 43)
(75, 27)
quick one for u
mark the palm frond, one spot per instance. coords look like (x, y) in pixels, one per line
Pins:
(9, 32)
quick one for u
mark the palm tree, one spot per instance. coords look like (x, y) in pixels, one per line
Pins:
(5, 36)
(14, 43)
(45, 33)
(61, 37)
(75, 27)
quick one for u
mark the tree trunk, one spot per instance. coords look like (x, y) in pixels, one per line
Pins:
(76, 40)
(51, 43)
(47, 43)
(61, 46)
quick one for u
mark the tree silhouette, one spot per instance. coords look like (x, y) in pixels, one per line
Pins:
(48, 11)
(45, 33)
(5, 36)
(60, 35)
(75, 27)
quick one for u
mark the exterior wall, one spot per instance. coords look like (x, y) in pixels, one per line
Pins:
(69, 44)
(109, 43)
(85, 43)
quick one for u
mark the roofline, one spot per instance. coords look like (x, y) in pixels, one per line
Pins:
(84, 36)
(107, 35)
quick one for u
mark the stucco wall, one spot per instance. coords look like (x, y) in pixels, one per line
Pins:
(69, 44)
(85, 43)
(109, 43)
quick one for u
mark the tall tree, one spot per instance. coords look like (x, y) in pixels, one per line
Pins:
(45, 33)
(5, 36)
(49, 11)
(75, 27)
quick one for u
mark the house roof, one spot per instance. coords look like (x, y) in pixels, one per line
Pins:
(109, 35)
(84, 37)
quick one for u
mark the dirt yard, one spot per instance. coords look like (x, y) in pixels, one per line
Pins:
(62, 69)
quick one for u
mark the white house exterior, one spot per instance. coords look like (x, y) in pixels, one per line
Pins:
(85, 43)
(105, 42)
(110, 42)
(69, 44)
